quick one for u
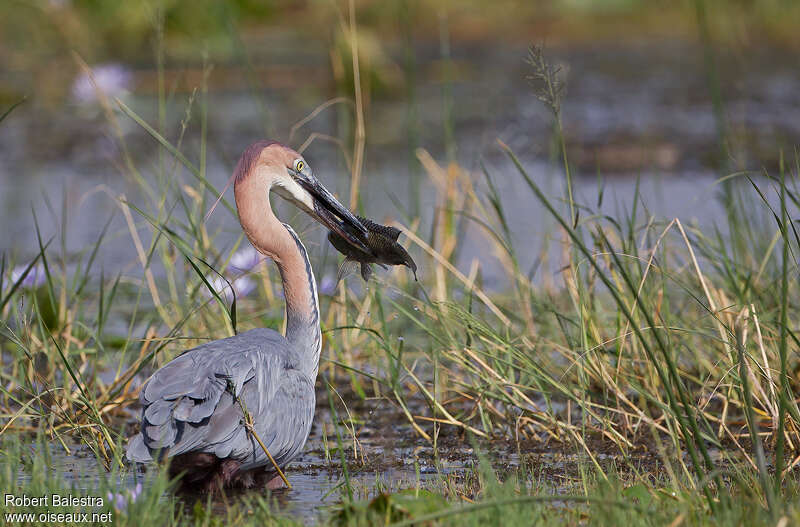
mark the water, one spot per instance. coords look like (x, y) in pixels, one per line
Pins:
(317, 483)
(642, 110)
(389, 459)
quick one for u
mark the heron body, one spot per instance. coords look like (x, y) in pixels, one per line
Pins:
(194, 407)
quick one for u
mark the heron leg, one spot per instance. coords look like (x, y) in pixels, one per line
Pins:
(276, 483)
(226, 473)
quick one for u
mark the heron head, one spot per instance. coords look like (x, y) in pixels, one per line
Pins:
(290, 176)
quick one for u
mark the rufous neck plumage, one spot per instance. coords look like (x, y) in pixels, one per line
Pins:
(256, 174)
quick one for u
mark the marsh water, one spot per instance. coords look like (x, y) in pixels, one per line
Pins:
(387, 457)
(317, 484)
(379, 462)
(634, 111)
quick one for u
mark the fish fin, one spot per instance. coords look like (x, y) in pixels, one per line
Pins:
(366, 271)
(408, 261)
(384, 230)
(347, 268)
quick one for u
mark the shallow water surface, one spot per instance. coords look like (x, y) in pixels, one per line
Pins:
(641, 110)
(317, 485)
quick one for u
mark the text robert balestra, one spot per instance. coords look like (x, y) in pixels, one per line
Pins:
(52, 500)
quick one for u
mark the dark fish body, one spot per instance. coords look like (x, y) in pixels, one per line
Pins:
(384, 250)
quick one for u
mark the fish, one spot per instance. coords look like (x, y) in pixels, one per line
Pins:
(383, 250)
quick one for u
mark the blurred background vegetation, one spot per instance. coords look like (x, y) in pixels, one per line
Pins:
(37, 36)
(654, 88)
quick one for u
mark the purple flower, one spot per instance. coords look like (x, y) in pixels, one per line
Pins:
(120, 501)
(327, 286)
(111, 79)
(241, 262)
(242, 285)
(246, 259)
(35, 277)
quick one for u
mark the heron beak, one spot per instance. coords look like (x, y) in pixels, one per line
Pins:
(331, 213)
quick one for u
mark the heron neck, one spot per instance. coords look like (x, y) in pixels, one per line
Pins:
(278, 241)
(302, 307)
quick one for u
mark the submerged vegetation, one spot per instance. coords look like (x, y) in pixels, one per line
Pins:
(659, 360)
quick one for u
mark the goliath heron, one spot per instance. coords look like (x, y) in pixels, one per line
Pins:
(233, 412)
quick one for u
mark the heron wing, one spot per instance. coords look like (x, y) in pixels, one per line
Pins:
(282, 423)
(188, 404)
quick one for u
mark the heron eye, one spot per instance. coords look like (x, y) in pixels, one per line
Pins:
(299, 165)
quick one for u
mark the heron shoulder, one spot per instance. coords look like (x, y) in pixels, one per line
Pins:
(265, 339)
(232, 357)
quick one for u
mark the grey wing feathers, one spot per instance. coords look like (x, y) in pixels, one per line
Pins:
(189, 403)
(286, 426)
